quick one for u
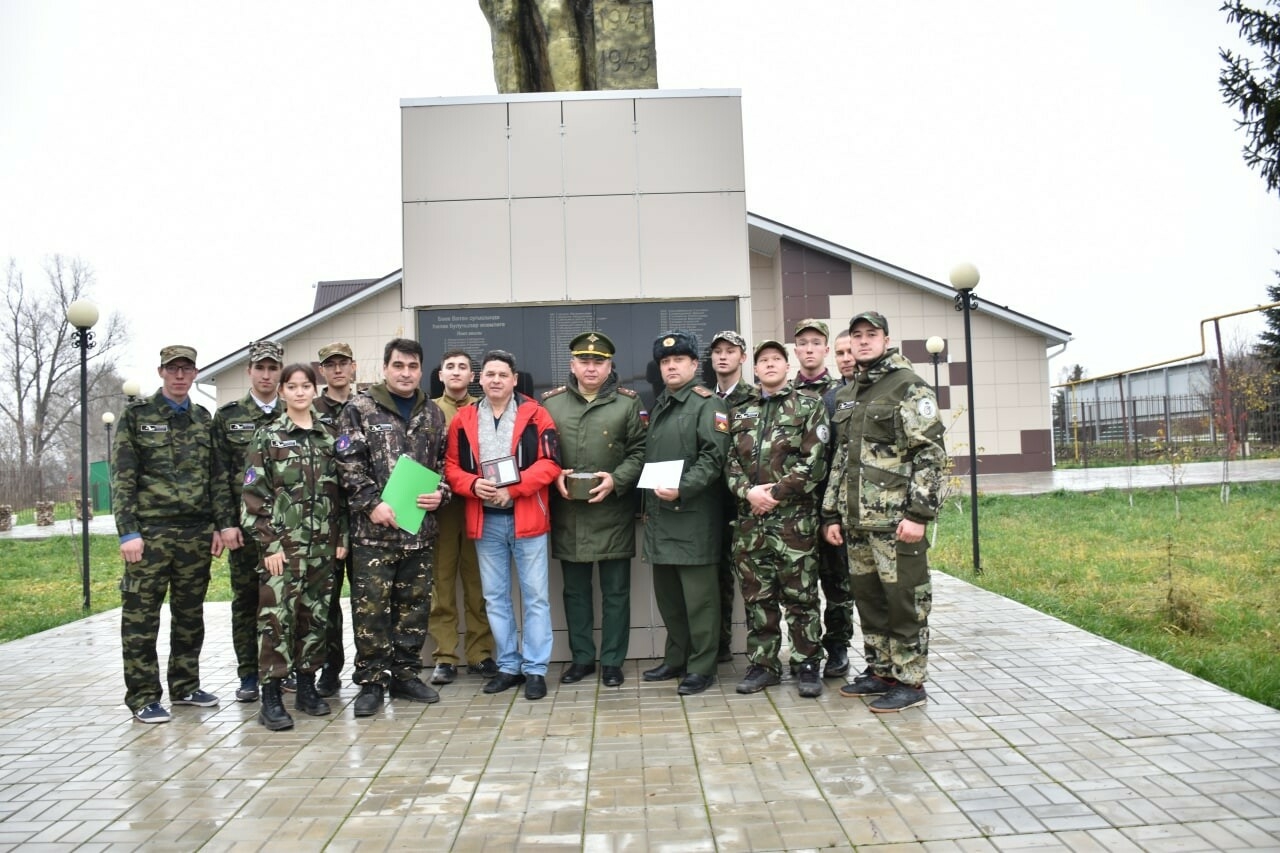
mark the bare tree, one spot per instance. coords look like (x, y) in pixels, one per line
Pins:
(39, 367)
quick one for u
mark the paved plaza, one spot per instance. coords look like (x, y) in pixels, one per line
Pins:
(1037, 736)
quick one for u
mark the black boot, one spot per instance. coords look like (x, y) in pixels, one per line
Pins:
(307, 700)
(271, 712)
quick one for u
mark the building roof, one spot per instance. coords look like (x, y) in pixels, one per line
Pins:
(329, 292)
(765, 235)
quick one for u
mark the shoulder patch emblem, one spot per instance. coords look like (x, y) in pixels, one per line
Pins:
(343, 442)
(722, 422)
(824, 434)
(249, 477)
(926, 408)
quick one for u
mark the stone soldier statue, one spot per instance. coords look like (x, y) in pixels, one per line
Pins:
(777, 463)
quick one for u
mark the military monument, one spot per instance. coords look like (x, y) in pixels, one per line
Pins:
(572, 45)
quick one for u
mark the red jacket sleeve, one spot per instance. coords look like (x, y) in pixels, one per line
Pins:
(462, 482)
(545, 468)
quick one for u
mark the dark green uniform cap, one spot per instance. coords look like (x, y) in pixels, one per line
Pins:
(592, 344)
(875, 318)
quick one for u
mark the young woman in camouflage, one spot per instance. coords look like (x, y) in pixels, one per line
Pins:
(294, 504)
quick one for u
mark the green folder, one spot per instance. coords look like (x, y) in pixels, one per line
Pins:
(409, 478)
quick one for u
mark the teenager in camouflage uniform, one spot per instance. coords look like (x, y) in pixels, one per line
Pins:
(811, 337)
(164, 491)
(391, 567)
(601, 433)
(777, 459)
(727, 355)
(338, 369)
(294, 507)
(682, 524)
(886, 476)
(233, 427)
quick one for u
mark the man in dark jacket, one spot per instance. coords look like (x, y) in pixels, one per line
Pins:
(391, 567)
(682, 521)
(601, 446)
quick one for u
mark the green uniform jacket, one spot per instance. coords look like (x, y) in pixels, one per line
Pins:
(692, 424)
(233, 427)
(292, 499)
(889, 454)
(605, 434)
(163, 470)
(779, 439)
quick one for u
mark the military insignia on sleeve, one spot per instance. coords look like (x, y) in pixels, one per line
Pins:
(926, 408)
(344, 441)
(249, 477)
(722, 422)
(824, 434)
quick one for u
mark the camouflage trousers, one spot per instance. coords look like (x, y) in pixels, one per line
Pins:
(335, 653)
(244, 563)
(894, 596)
(837, 591)
(778, 572)
(390, 608)
(293, 611)
(175, 560)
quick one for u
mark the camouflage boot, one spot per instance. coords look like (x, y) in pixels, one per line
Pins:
(271, 713)
(307, 700)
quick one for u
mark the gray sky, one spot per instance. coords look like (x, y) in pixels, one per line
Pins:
(211, 162)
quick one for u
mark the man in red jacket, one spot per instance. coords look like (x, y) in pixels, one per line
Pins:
(502, 455)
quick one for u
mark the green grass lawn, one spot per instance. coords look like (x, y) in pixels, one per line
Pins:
(41, 584)
(1201, 592)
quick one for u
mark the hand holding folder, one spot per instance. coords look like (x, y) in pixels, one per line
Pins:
(409, 478)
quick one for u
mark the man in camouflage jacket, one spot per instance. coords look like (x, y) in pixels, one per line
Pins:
(777, 459)
(886, 476)
(233, 427)
(164, 490)
(391, 567)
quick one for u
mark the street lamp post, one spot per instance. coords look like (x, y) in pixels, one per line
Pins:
(935, 345)
(108, 418)
(82, 314)
(131, 389)
(964, 278)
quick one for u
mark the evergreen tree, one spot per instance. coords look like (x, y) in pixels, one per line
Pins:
(1254, 87)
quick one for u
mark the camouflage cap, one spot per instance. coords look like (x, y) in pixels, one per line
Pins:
(675, 342)
(337, 348)
(769, 344)
(266, 351)
(816, 325)
(875, 318)
(175, 352)
(730, 336)
(590, 344)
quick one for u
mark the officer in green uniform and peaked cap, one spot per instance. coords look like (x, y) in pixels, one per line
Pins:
(601, 441)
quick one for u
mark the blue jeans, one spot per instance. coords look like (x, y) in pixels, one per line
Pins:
(495, 548)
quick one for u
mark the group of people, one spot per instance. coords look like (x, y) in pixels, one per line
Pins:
(817, 483)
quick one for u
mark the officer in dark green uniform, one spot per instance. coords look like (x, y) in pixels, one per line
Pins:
(601, 438)
(682, 521)
(233, 427)
(164, 490)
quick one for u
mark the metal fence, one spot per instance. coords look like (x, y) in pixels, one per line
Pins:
(1167, 419)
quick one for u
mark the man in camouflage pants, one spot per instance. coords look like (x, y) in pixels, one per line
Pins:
(164, 491)
(233, 427)
(777, 459)
(391, 576)
(886, 476)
